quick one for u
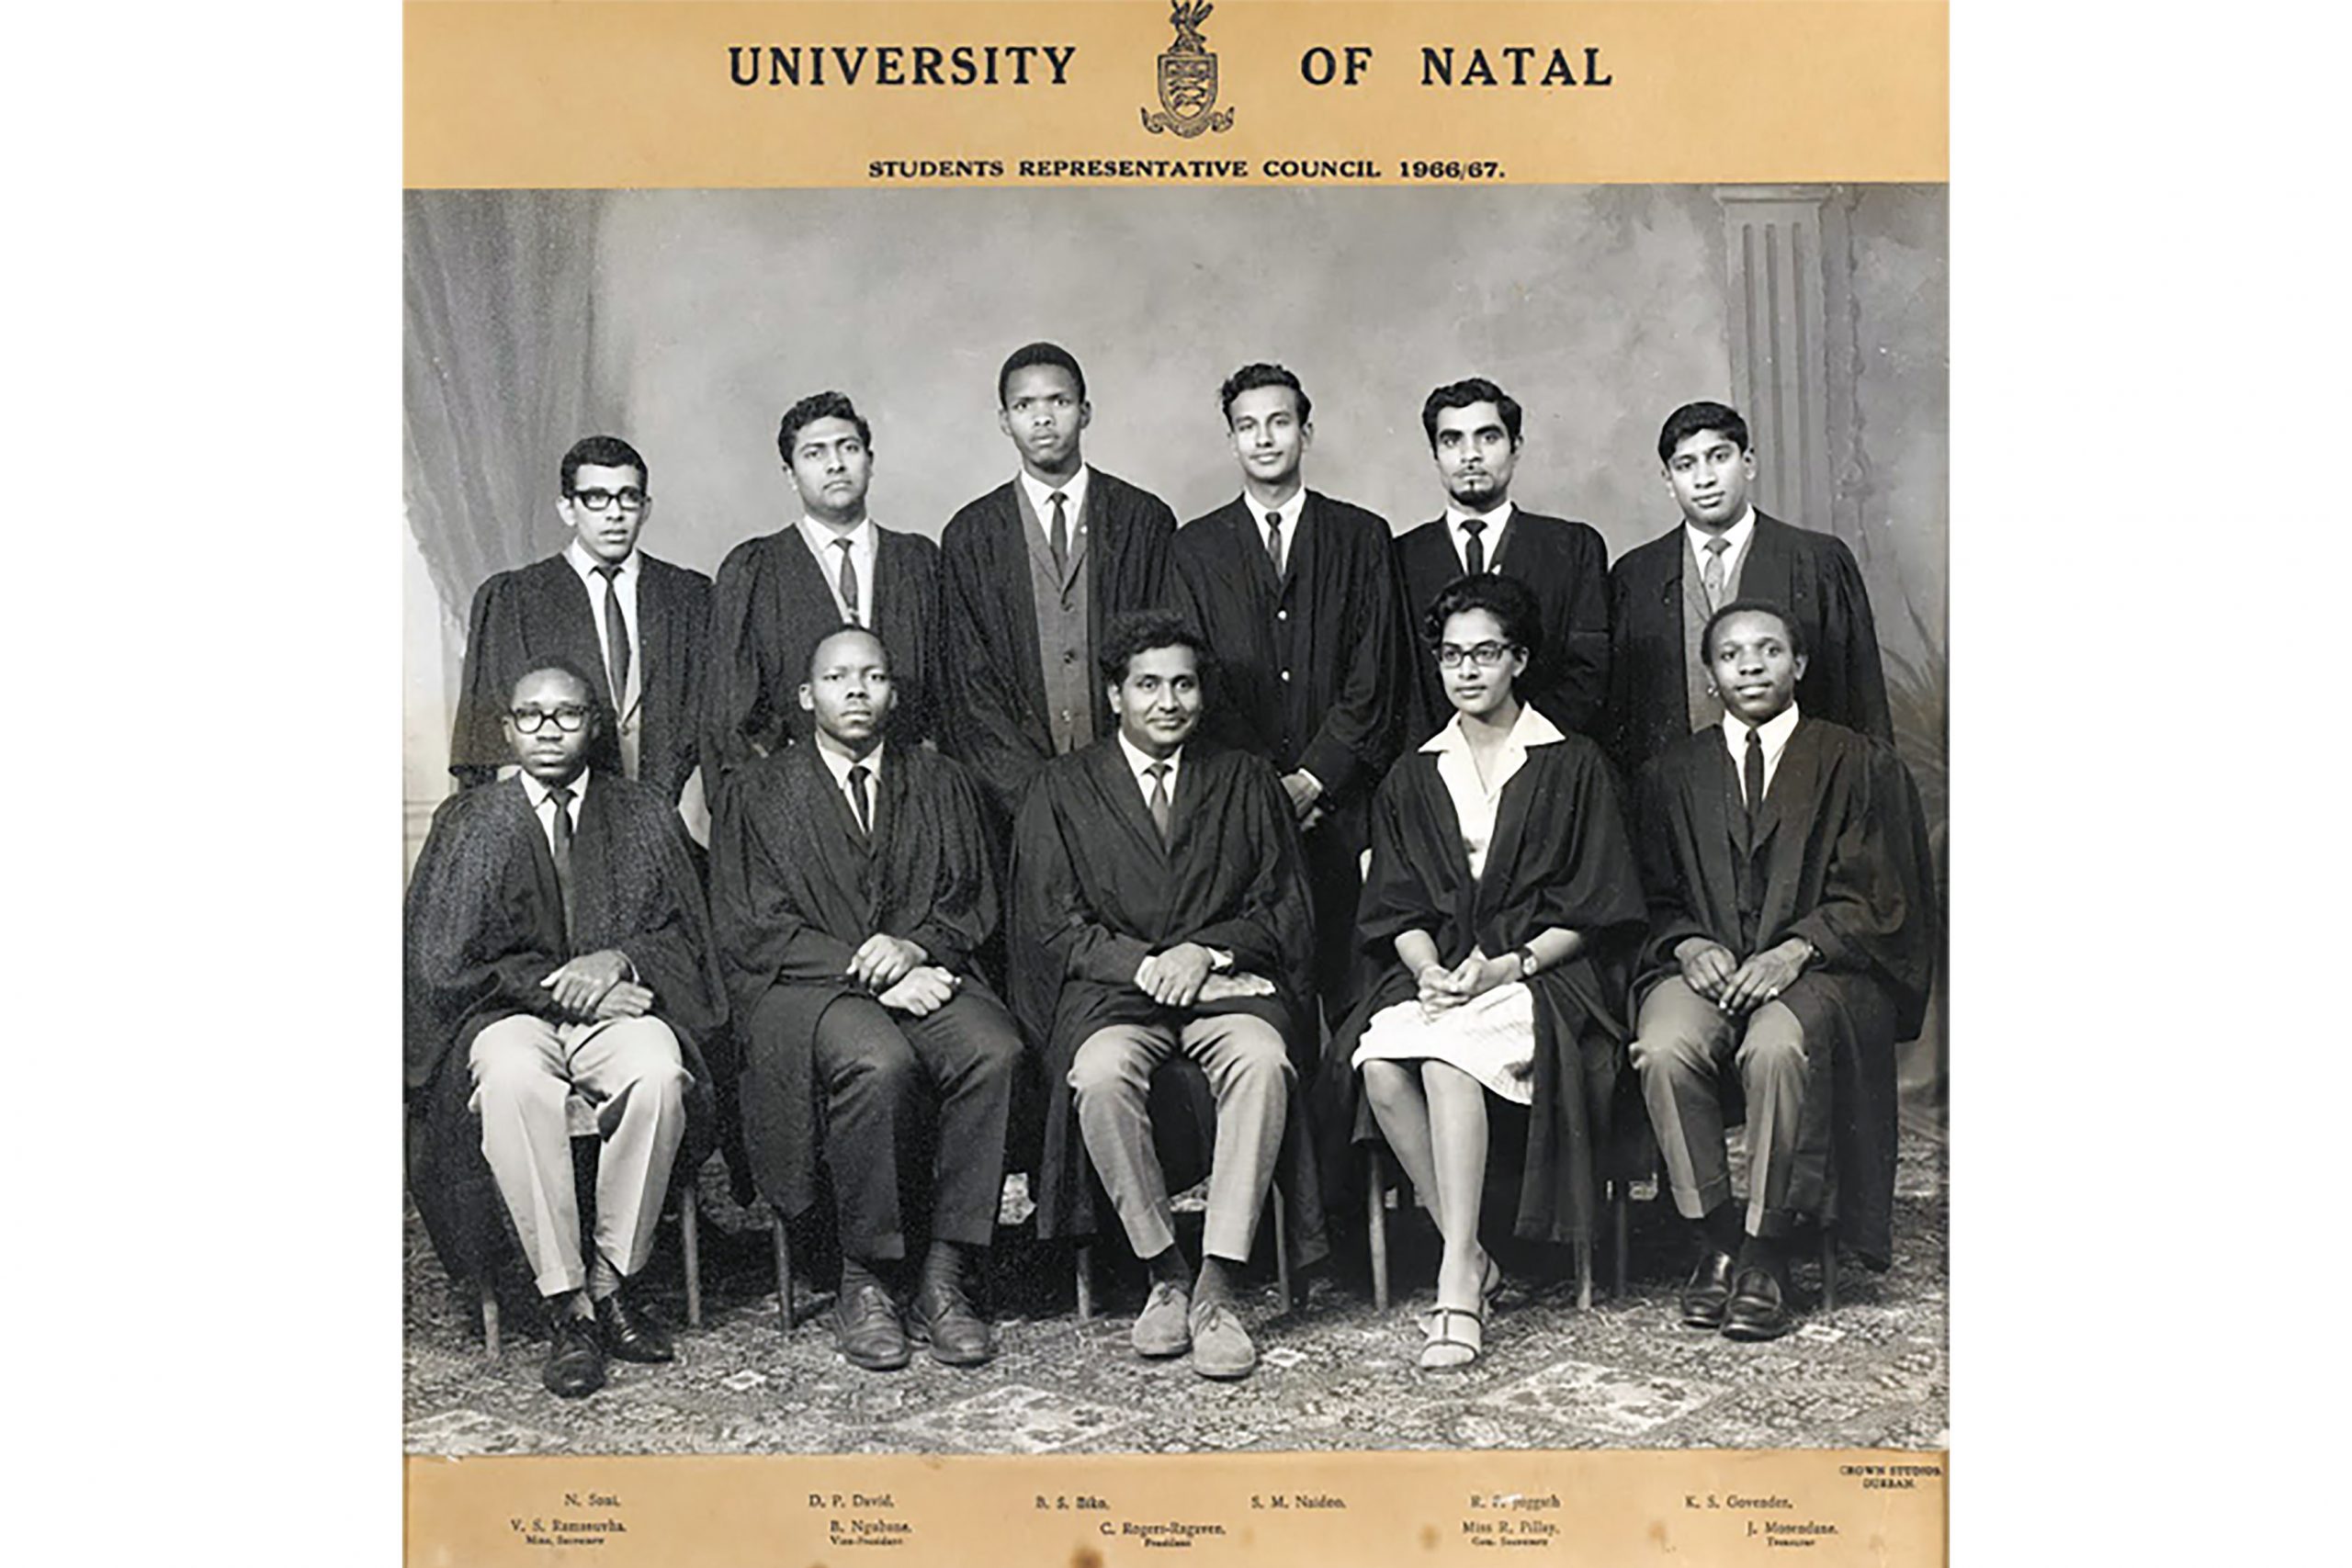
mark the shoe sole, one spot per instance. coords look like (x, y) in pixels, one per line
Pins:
(1163, 1353)
(980, 1358)
(1753, 1335)
(1712, 1325)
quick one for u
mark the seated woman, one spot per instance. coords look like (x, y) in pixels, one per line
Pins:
(1502, 885)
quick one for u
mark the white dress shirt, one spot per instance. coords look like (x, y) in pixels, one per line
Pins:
(1773, 733)
(625, 584)
(820, 540)
(1041, 498)
(1137, 761)
(543, 803)
(1735, 539)
(839, 762)
(1288, 511)
(1491, 541)
(1476, 801)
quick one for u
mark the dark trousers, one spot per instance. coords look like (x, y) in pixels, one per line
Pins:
(870, 1072)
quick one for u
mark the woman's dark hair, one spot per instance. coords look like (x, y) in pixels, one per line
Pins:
(1510, 601)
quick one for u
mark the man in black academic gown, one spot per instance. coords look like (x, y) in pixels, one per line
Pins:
(778, 594)
(1297, 592)
(1159, 880)
(635, 626)
(1473, 434)
(1660, 594)
(1794, 929)
(851, 883)
(557, 947)
(1032, 571)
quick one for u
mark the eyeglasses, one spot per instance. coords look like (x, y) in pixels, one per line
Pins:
(632, 499)
(1485, 654)
(568, 719)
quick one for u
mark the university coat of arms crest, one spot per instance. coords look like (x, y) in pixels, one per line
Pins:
(1188, 78)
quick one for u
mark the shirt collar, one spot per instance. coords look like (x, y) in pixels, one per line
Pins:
(1734, 537)
(1773, 733)
(820, 535)
(839, 765)
(1138, 761)
(1041, 495)
(1455, 516)
(1288, 511)
(1532, 728)
(536, 793)
(585, 564)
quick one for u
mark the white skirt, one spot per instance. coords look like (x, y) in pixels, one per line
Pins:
(1491, 1037)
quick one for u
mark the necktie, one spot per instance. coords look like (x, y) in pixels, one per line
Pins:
(1162, 814)
(562, 836)
(848, 582)
(1275, 541)
(860, 799)
(1058, 540)
(1713, 579)
(1751, 775)
(615, 636)
(1474, 554)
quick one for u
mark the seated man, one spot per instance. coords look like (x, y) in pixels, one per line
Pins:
(1161, 885)
(851, 883)
(557, 945)
(1792, 937)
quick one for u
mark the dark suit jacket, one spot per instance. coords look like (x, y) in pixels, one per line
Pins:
(1567, 565)
(1811, 575)
(994, 688)
(769, 611)
(540, 612)
(1306, 669)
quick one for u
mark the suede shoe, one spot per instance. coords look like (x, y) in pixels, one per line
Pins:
(1164, 1327)
(943, 1318)
(575, 1366)
(630, 1332)
(1221, 1347)
(1757, 1311)
(1707, 1293)
(867, 1331)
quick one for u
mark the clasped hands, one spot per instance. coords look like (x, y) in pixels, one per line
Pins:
(1186, 974)
(1715, 972)
(596, 986)
(899, 974)
(1442, 988)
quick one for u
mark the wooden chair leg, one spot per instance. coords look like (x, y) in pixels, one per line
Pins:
(1082, 1259)
(489, 1318)
(1584, 1275)
(1828, 1269)
(690, 1244)
(1282, 1252)
(1622, 1212)
(783, 1244)
(1375, 1228)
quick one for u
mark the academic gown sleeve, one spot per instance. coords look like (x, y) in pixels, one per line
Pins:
(1579, 702)
(731, 703)
(1846, 611)
(983, 676)
(1354, 741)
(1657, 829)
(765, 936)
(1877, 913)
(493, 637)
(651, 909)
(469, 952)
(1270, 931)
(1075, 944)
(960, 905)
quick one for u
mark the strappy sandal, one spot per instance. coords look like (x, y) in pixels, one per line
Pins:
(1449, 1346)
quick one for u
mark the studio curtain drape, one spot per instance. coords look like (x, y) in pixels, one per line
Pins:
(495, 372)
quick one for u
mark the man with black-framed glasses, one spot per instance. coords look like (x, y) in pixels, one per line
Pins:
(635, 626)
(558, 947)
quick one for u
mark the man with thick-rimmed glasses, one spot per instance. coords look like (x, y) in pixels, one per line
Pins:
(635, 627)
(557, 947)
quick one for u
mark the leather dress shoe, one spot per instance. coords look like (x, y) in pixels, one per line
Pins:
(866, 1329)
(1757, 1311)
(575, 1366)
(1164, 1327)
(943, 1318)
(1221, 1347)
(1707, 1294)
(631, 1332)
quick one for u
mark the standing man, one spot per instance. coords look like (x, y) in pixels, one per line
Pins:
(1473, 434)
(1297, 592)
(781, 593)
(1160, 881)
(1661, 594)
(1035, 569)
(557, 945)
(850, 884)
(634, 625)
(1792, 938)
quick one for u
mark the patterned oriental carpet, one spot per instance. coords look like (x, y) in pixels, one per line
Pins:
(1334, 1373)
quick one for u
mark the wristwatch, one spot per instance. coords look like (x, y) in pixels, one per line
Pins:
(1528, 966)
